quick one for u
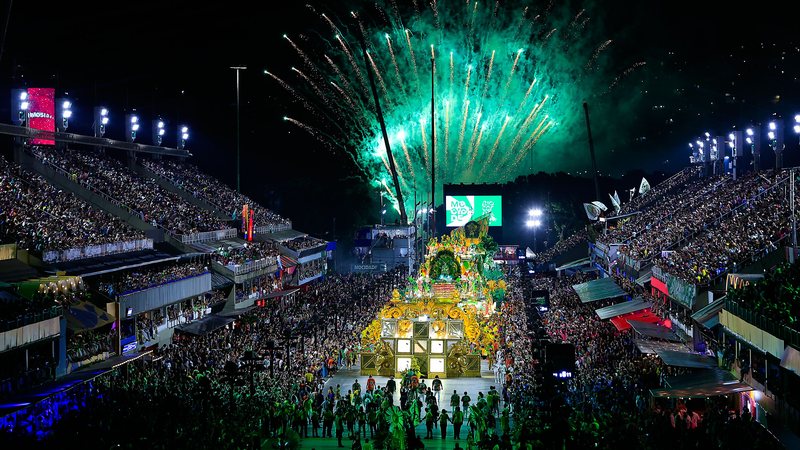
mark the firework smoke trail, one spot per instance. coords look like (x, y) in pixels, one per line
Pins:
(477, 146)
(310, 64)
(377, 74)
(402, 138)
(496, 144)
(423, 134)
(447, 128)
(394, 63)
(513, 68)
(356, 69)
(525, 99)
(471, 148)
(413, 57)
(488, 77)
(562, 63)
(597, 52)
(625, 74)
(463, 126)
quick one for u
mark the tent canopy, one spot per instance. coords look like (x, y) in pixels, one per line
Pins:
(651, 347)
(704, 383)
(691, 360)
(206, 325)
(654, 331)
(622, 323)
(574, 264)
(645, 277)
(619, 309)
(600, 289)
(709, 314)
(86, 316)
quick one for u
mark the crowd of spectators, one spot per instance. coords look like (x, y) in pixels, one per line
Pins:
(39, 217)
(155, 205)
(604, 404)
(89, 343)
(249, 251)
(258, 288)
(303, 243)
(759, 221)
(564, 245)
(310, 269)
(226, 200)
(774, 297)
(146, 277)
(191, 387)
(659, 191)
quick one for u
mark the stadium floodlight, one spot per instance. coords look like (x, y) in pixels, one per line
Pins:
(183, 136)
(708, 135)
(772, 126)
(100, 121)
(131, 127)
(535, 212)
(749, 131)
(771, 135)
(19, 106)
(796, 127)
(63, 114)
(158, 131)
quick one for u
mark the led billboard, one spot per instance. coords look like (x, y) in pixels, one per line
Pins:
(42, 112)
(460, 209)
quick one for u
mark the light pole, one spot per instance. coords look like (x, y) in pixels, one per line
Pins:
(534, 221)
(238, 176)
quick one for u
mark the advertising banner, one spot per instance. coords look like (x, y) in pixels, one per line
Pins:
(460, 209)
(42, 112)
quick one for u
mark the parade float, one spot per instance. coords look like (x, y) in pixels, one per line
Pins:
(442, 322)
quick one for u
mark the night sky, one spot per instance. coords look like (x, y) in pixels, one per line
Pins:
(709, 67)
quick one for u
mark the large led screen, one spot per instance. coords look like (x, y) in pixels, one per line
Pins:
(41, 112)
(460, 209)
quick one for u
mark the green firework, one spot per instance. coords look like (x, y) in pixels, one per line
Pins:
(509, 83)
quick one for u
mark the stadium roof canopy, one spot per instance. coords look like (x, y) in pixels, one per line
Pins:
(600, 289)
(619, 309)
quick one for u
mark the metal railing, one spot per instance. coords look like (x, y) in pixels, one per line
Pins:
(206, 236)
(8, 324)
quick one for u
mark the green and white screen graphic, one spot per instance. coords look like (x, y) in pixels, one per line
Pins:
(463, 208)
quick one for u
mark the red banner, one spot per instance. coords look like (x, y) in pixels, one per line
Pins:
(660, 285)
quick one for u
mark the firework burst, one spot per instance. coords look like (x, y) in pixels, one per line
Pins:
(510, 83)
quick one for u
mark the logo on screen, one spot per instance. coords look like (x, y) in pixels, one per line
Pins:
(460, 211)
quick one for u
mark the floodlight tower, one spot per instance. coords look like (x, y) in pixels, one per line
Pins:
(63, 114)
(131, 127)
(100, 121)
(735, 141)
(775, 140)
(159, 131)
(183, 136)
(753, 140)
(19, 107)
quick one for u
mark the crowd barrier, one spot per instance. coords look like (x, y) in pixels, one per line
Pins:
(92, 251)
(8, 251)
(165, 294)
(252, 266)
(273, 228)
(207, 236)
(29, 333)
